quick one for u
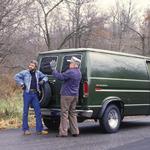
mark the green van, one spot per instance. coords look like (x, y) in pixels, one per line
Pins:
(113, 85)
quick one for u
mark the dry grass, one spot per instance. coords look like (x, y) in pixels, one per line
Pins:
(7, 87)
(15, 122)
(10, 123)
(11, 104)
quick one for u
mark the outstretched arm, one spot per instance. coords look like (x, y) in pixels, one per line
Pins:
(62, 76)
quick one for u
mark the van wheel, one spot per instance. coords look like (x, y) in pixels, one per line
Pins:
(51, 123)
(45, 95)
(111, 119)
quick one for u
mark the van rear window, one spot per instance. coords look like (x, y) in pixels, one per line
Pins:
(66, 63)
(45, 66)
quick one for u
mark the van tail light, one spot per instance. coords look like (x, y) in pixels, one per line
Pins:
(85, 89)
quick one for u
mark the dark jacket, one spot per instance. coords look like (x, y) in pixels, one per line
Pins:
(71, 78)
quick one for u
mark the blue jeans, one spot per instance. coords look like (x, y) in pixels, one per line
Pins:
(31, 98)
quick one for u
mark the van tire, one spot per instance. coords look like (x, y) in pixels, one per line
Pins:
(45, 95)
(51, 123)
(111, 119)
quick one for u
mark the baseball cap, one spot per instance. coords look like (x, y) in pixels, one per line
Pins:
(74, 60)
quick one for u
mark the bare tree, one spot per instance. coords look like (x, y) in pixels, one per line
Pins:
(10, 19)
(80, 21)
(146, 30)
(123, 18)
(47, 7)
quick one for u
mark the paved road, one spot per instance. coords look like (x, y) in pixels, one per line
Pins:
(133, 135)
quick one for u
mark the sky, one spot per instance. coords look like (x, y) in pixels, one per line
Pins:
(141, 5)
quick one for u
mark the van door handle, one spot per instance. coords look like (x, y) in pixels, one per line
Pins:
(53, 82)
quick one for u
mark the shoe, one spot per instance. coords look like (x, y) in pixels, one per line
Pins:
(58, 135)
(75, 135)
(27, 132)
(43, 132)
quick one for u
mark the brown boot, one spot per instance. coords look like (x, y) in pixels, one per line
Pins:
(43, 132)
(27, 132)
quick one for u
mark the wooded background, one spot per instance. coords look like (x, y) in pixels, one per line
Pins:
(30, 26)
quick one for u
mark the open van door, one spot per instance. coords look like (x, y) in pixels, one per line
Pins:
(48, 91)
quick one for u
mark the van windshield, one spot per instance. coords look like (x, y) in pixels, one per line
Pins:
(66, 63)
(45, 66)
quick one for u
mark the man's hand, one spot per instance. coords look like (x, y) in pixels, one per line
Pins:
(23, 86)
(41, 82)
(53, 64)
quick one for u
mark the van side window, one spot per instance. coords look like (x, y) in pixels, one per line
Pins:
(45, 66)
(66, 64)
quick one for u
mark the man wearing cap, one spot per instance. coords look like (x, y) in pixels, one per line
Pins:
(69, 96)
(29, 81)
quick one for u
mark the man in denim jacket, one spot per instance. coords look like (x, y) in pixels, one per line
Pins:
(29, 81)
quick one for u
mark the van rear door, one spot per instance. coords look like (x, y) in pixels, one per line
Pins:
(55, 87)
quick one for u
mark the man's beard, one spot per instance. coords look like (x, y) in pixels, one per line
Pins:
(32, 70)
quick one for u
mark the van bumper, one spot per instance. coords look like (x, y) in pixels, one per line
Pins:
(56, 112)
